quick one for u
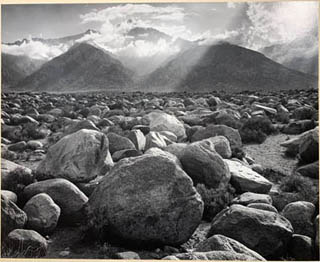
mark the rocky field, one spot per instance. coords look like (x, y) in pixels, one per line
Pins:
(160, 175)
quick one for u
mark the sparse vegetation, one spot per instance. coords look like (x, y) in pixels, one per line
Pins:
(256, 130)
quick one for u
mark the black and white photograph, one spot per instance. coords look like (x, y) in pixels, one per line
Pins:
(160, 131)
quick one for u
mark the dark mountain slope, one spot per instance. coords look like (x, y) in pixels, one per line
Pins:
(82, 67)
(225, 66)
(14, 68)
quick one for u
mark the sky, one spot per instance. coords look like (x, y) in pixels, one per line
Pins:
(252, 25)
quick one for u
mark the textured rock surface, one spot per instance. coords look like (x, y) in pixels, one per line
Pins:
(147, 199)
(262, 231)
(65, 194)
(204, 165)
(78, 157)
(244, 179)
(43, 214)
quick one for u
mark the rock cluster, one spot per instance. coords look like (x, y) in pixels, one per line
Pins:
(146, 170)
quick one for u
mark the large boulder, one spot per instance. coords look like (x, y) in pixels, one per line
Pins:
(28, 242)
(147, 199)
(78, 157)
(13, 174)
(43, 214)
(244, 179)
(223, 243)
(12, 217)
(160, 121)
(265, 232)
(65, 194)
(300, 214)
(218, 130)
(204, 165)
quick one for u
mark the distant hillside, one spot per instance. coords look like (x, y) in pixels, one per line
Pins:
(82, 67)
(14, 68)
(224, 66)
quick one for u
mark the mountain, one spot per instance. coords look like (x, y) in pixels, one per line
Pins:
(55, 41)
(300, 54)
(150, 48)
(14, 68)
(224, 66)
(83, 67)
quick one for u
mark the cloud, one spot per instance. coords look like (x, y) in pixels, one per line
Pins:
(280, 22)
(35, 50)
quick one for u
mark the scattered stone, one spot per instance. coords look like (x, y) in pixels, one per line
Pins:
(263, 206)
(300, 214)
(154, 139)
(10, 195)
(218, 130)
(126, 255)
(78, 157)
(223, 243)
(301, 248)
(13, 174)
(20, 146)
(12, 217)
(43, 214)
(138, 139)
(262, 231)
(28, 242)
(249, 198)
(244, 179)
(204, 165)
(65, 194)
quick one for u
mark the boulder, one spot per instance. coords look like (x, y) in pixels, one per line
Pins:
(146, 200)
(244, 179)
(154, 139)
(218, 130)
(160, 121)
(13, 174)
(65, 194)
(309, 170)
(298, 127)
(10, 195)
(265, 232)
(263, 206)
(204, 165)
(78, 157)
(76, 125)
(309, 148)
(301, 248)
(12, 217)
(19, 146)
(176, 149)
(249, 198)
(138, 139)
(223, 243)
(43, 214)
(28, 242)
(300, 214)
(117, 143)
(221, 145)
(212, 255)
(118, 155)
(128, 255)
